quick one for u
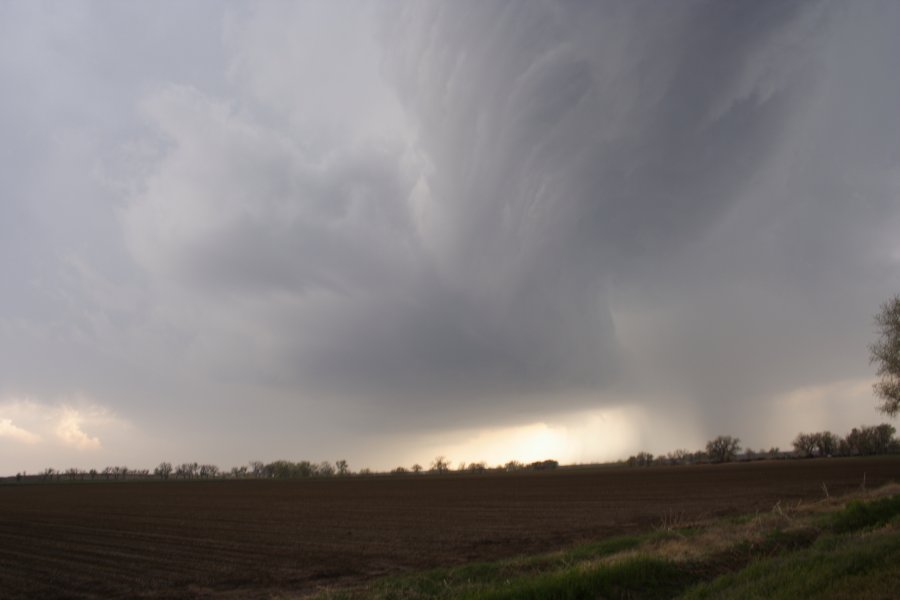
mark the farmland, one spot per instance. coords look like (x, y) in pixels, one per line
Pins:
(258, 538)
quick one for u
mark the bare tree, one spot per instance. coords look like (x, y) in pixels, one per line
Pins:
(163, 470)
(678, 457)
(187, 470)
(804, 444)
(440, 464)
(544, 465)
(827, 443)
(641, 459)
(342, 467)
(885, 352)
(868, 440)
(477, 467)
(209, 471)
(723, 448)
(416, 468)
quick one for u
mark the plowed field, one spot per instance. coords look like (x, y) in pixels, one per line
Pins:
(257, 538)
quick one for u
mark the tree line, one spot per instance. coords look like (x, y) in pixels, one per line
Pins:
(861, 441)
(866, 440)
(278, 469)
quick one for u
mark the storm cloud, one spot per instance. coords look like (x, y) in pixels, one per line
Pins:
(310, 227)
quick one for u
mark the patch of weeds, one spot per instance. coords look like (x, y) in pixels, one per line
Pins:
(836, 567)
(440, 583)
(863, 515)
(781, 540)
(638, 577)
(604, 548)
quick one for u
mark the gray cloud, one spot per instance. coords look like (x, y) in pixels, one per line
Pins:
(324, 219)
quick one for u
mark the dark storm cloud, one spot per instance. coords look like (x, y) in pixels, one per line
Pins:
(562, 157)
(306, 219)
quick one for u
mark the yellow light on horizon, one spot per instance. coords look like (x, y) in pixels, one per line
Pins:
(584, 437)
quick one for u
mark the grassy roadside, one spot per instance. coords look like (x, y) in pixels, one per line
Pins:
(846, 547)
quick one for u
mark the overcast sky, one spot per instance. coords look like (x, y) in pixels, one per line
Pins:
(492, 230)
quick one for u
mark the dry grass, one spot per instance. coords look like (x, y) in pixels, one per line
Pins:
(699, 539)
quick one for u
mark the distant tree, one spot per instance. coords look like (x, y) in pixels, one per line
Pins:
(828, 443)
(401, 470)
(440, 464)
(416, 468)
(325, 469)
(513, 465)
(208, 470)
(477, 467)
(804, 444)
(365, 471)
(723, 448)
(93, 473)
(285, 469)
(868, 440)
(342, 467)
(885, 352)
(678, 457)
(641, 459)
(163, 470)
(257, 468)
(543, 465)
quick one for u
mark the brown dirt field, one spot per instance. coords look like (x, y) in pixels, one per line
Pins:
(258, 538)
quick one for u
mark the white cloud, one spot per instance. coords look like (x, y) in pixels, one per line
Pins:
(68, 430)
(73, 422)
(11, 431)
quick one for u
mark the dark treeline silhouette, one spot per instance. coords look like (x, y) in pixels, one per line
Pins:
(866, 440)
(279, 469)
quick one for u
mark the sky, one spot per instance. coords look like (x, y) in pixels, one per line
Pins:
(490, 230)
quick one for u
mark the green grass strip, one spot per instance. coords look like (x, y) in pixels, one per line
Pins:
(835, 568)
(861, 515)
(639, 577)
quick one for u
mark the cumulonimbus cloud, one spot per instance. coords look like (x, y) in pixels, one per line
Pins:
(573, 171)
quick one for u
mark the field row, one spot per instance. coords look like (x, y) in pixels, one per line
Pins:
(163, 539)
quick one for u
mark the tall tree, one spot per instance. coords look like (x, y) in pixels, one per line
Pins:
(885, 352)
(723, 449)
